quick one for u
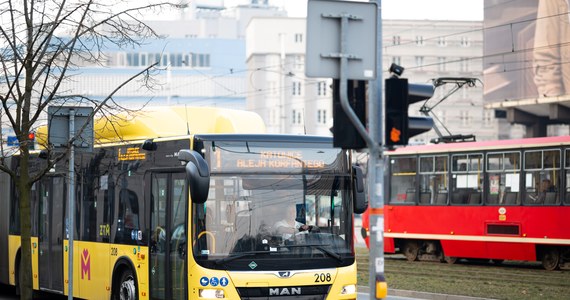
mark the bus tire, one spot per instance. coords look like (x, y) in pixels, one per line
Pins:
(126, 286)
(18, 276)
(551, 259)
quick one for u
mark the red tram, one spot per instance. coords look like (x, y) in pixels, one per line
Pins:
(492, 200)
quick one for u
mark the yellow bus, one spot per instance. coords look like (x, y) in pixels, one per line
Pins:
(164, 213)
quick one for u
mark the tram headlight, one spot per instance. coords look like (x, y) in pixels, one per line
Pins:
(348, 289)
(211, 293)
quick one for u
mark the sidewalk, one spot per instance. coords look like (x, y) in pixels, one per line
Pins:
(421, 295)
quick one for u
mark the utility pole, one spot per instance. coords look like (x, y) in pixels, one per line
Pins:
(377, 279)
(352, 50)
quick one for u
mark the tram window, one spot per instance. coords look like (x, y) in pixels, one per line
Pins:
(403, 180)
(512, 160)
(426, 164)
(567, 164)
(467, 174)
(441, 164)
(541, 181)
(434, 180)
(503, 178)
(494, 162)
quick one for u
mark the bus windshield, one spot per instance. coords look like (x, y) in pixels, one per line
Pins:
(272, 217)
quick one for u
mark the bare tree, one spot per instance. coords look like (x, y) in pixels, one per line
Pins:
(44, 43)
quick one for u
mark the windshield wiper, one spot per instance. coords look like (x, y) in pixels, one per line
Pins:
(239, 255)
(320, 248)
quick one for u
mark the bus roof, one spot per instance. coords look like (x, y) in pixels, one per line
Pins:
(171, 121)
(484, 145)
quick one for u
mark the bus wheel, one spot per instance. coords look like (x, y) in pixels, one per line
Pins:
(550, 259)
(127, 289)
(19, 278)
(411, 250)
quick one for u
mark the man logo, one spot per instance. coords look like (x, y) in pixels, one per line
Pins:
(284, 291)
(284, 274)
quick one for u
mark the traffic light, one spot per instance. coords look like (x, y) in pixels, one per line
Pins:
(32, 139)
(345, 134)
(399, 95)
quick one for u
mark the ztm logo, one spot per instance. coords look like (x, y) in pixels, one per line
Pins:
(85, 264)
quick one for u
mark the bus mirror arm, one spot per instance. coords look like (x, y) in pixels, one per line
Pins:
(360, 200)
(197, 175)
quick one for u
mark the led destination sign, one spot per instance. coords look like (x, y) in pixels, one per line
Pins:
(234, 159)
(272, 159)
(132, 153)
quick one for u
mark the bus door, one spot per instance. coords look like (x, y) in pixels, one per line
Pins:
(50, 233)
(168, 210)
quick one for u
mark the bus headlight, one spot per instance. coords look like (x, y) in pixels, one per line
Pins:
(348, 289)
(211, 293)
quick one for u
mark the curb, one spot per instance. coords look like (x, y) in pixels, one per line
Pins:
(421, 295)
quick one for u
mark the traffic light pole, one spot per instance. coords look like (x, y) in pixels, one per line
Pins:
(373, 138)
(377, 280)
(361, 59)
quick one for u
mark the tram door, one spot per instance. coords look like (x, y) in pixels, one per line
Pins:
(50, 233)
(168, 209)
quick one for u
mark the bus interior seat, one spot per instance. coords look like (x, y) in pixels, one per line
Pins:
(441, 197)
(550, 198)
(456, 198)
(411, 195)
(493, 199)
(511, 198)
(425, 198)
(474, 198)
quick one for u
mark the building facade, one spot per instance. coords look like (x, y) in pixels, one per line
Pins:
(289, 102)
(200, 58)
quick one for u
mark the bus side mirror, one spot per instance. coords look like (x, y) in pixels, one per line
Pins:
(360, 200)
(197, 175)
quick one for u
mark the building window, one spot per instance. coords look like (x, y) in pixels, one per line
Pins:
(296, 117)
(194, 60)
(299, 62)
(488, 117)
(396, 40)
(441, 41)
(441, 63)
(321, 116)
(419, 62)
(322, 88)
(296, 88)
(199, 60)
(396, 60)
(298, 37)
(132, 59)
(464, 118)
(419, 40)
(464, 65)
(465, 42)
